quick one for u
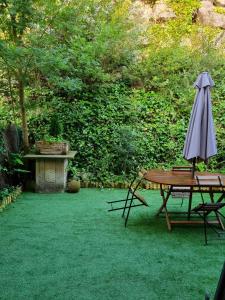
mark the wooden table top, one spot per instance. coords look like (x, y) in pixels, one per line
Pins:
(178, 178)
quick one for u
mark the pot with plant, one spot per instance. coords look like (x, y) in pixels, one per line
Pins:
(53, 143)
(73, 184)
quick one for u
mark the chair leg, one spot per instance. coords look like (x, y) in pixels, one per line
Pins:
(125, 205)
(128, 212)
(205, 229)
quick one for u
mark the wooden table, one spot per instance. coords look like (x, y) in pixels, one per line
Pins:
(183, 179)
(51, 171)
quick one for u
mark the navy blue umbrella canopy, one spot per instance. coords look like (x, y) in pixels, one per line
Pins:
(200, 143)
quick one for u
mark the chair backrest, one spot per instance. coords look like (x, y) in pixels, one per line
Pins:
(182, 168)
(209, 180)
(135, 183)
(177, 191)
(142, 172)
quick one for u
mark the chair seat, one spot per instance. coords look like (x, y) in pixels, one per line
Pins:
(140, 198)
(202, 207)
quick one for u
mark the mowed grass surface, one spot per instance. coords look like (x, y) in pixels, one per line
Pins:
(67, 246)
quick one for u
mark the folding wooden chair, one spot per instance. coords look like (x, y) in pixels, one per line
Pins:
(207, 184)
(133, 198)
(177, 192)
(181, 192)
(220, 290)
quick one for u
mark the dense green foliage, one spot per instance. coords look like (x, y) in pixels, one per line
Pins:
(12, 168)
(123, 94)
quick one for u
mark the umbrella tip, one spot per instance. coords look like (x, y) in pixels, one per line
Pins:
(204, 79)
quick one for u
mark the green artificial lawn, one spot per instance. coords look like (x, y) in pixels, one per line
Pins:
(67, 246)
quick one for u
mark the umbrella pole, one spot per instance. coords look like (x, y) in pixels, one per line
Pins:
(193, 167)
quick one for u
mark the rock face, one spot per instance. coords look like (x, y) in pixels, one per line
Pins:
(144, 14)
(141, 12)
(161, 12)
(207, 16)
(220, 3)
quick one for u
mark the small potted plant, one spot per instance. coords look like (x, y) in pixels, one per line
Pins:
(73, 185)
(53, 143)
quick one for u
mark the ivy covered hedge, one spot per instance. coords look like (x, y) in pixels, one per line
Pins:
(128, 128)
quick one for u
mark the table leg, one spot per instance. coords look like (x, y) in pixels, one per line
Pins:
(167, 219)
(163, 206)
(162, 193)
(190, 204)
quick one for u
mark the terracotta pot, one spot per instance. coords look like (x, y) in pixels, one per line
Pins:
(73, 186)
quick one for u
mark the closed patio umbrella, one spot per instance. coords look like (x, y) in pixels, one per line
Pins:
(200, 143)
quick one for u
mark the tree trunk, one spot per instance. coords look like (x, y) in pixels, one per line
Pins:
(23, 113)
